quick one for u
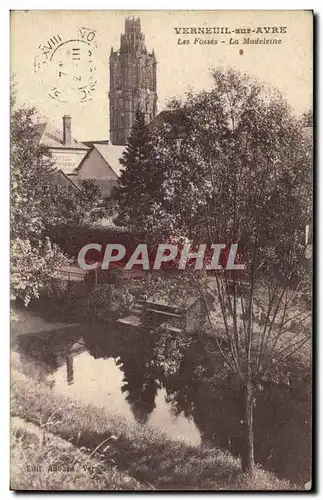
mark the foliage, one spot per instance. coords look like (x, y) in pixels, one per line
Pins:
(238, 169)
(307, 118)
(172, 288)
(105, 303)
(32, 267)
(71, 238)
(138, 185)
(170, 350)
(33, 258)
(38, 203)
(71, 207)
(234, 165)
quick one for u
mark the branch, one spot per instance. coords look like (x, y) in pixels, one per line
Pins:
(299, 345)
(211, 326)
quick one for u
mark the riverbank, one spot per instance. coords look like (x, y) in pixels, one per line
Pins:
(128, 456)
(43, 461)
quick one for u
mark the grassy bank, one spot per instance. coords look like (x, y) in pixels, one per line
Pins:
(126, 456)
(42, 461)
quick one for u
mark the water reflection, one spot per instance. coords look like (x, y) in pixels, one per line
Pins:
(93, 370)
(117, 370)
(96, 381)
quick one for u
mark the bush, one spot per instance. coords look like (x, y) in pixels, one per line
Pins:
(72, 238)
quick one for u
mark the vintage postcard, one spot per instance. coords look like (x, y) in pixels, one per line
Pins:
(161, 250)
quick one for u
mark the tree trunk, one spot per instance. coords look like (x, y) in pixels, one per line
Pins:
(248, 458)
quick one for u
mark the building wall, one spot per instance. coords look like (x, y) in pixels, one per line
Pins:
(94, 167)
(67, 159)
(59, 179)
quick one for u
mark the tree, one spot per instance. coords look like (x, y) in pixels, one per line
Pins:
(33, 258)
(37, 204)
(137, 192)
(71, 207)
(307, 118)
(241, 172)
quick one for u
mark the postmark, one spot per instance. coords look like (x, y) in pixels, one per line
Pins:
(68, 66)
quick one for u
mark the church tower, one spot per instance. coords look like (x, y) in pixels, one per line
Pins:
(132, 82)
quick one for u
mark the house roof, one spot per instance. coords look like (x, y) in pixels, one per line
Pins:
(92, 143)
(51, 136)
(111, 154)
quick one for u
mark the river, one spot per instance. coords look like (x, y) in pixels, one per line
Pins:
(108, 368)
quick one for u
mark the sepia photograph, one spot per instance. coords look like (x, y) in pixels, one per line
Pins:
(161, 233)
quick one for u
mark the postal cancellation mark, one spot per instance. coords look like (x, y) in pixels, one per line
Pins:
(67, 66)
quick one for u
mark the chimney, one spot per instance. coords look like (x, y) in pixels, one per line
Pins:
(67, 130)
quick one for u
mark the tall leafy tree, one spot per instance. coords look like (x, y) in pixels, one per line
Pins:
(238, 170)
(34, 260)
(137, 192)
(37, 204)
(71, 207)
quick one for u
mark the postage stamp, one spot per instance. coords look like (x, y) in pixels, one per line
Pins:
(68, 66)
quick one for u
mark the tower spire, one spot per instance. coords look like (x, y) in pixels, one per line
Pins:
(132, 82)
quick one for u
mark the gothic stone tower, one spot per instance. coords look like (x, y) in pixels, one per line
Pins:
(132, 82)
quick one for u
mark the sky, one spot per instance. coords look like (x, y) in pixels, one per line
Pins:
(181, 66)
